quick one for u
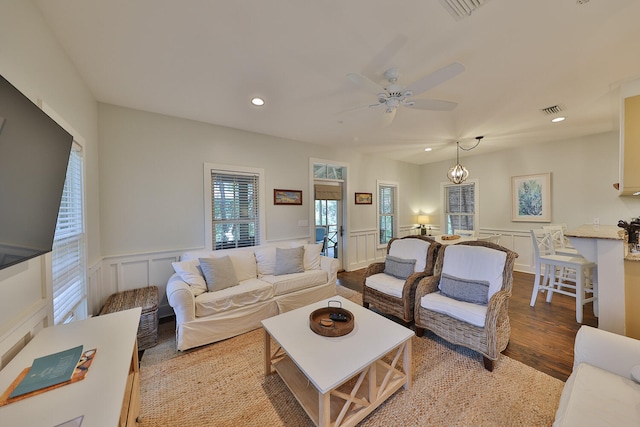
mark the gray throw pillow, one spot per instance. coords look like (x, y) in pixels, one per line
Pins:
(289, 261)
(218, 273)
(474, 291)
(399, 267)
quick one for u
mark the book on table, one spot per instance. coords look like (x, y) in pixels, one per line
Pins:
(49, 370)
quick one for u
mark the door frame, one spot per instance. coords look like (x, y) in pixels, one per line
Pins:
(343, 254)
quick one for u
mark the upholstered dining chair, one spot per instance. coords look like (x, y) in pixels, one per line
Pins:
(390, 286)
(466, 301)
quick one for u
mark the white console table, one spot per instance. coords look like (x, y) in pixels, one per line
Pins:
(108, 396)
(603, 245)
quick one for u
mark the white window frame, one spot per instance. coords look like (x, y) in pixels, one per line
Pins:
(476, 198)
(208, 200)
(68, 258)
(394, 215)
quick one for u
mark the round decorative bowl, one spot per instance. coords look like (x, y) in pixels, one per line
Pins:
(321, 322)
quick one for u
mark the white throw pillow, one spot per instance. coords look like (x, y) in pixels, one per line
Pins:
(476, 263)
(311, 255)
(190, 273)
(411, 249)
(266, 258)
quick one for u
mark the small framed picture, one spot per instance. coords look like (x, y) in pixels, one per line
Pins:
(364, 198)
(287, 197)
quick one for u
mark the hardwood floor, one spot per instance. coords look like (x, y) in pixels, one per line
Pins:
(541, 337)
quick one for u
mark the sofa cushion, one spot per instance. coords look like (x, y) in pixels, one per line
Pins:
(292, 282)
(411, 249)
(190, 273)
(246, 293)
(474, 314)
(289, 261)
(386, 284)
(473, 291)
(266, 260)
(218, 273)
(476, 263)
(398, 267)
(595, 397)
(311, 255)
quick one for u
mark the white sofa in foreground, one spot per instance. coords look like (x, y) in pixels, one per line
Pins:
(603, 388)
(220, 294)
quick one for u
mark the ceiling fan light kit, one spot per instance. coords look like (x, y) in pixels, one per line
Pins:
(394, 94)
(458, 173)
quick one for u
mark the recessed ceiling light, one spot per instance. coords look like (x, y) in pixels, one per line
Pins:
(257, 101)
(558, 119)
(428, 149)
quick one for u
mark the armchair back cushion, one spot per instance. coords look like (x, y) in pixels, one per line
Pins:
(475, 263)
(410, 249)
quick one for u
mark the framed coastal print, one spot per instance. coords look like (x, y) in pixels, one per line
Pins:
(364, 198)
(531, 198)
(287, 197)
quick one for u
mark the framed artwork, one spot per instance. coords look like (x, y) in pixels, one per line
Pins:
(531, 198)
(287, 197)
(364, 198)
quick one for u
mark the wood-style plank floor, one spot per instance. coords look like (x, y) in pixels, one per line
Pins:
(541, 336)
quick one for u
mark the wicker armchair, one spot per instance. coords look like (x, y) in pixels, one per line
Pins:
(486, 329)
(393, 295)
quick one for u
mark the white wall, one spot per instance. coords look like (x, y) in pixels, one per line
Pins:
(33, 62)
(151, 179)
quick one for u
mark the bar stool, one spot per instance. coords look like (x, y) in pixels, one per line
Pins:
(555, 280)
(560, 243)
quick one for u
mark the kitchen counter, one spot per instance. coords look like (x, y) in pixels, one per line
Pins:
(605, 245)
(597, 232)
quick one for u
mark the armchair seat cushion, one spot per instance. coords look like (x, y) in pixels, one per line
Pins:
(386, 284)
(474, 314)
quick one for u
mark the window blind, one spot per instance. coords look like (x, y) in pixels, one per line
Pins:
(68, 258)
(387, 212)
(460, 207)
(328, 192)
(235, 209)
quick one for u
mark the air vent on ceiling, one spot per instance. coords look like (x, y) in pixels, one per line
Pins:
(554, 109)
(461, 8)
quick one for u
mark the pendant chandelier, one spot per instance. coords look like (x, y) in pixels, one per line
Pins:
(458, 173)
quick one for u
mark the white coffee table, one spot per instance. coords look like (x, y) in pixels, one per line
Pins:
(339, 380)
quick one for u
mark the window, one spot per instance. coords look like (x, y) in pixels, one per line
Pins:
(387, 211)
(460, 207)
(68, 256)
(234, 219)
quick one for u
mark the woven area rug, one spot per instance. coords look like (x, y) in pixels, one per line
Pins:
(223, 384)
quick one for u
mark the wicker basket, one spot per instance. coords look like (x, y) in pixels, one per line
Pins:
(147, 298)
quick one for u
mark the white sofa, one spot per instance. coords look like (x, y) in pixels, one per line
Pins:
(603, 388)
(265, 288)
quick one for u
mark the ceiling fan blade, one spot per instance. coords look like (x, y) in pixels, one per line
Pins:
(432, 104)
(436, 78)
(387, 117)
(365, 83)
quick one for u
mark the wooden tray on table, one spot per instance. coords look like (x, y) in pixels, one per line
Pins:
(321, 323)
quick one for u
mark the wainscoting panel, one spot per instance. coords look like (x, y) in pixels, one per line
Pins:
(126, 272)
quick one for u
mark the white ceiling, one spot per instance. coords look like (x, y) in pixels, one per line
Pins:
(205, 59)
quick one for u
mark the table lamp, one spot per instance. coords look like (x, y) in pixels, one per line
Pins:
(424, 220)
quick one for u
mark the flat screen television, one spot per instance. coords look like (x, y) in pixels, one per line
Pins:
(34, 153)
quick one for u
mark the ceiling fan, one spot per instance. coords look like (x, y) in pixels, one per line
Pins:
(394, 94)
